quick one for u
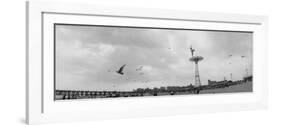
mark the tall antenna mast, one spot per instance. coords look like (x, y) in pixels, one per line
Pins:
(192, 50)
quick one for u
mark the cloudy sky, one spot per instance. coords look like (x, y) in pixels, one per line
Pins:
(87, 57)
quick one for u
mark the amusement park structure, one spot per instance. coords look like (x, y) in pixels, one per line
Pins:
(196, 59)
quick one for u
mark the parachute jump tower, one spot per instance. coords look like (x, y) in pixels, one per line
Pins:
(196, 59)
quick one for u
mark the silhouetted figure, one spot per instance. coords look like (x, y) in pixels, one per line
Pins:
(120, 71)
(64, 97)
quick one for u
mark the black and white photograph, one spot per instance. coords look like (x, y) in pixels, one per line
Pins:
(102, 61)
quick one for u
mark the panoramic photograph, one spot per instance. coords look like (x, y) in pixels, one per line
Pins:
(94, 61)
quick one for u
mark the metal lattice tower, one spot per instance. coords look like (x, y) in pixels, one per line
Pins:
(196, 59)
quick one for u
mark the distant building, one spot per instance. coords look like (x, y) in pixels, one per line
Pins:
(248, 78)
(162, 89)
(210, 82)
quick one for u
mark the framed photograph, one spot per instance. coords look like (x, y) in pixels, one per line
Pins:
(87, 62)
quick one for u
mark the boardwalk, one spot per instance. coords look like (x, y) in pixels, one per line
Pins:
(227, 87)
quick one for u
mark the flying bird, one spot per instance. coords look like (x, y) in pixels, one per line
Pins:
(230, 55)
(243, 56)
(139, 68)
(120, 71)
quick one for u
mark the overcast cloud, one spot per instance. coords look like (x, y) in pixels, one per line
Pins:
(87, 57)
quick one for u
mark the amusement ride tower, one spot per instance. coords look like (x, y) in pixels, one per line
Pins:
(196, 59)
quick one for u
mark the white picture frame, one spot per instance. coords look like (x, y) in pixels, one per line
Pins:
(41, 107)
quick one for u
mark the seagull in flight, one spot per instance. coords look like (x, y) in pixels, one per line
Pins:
(120, 71)
(139, 68)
